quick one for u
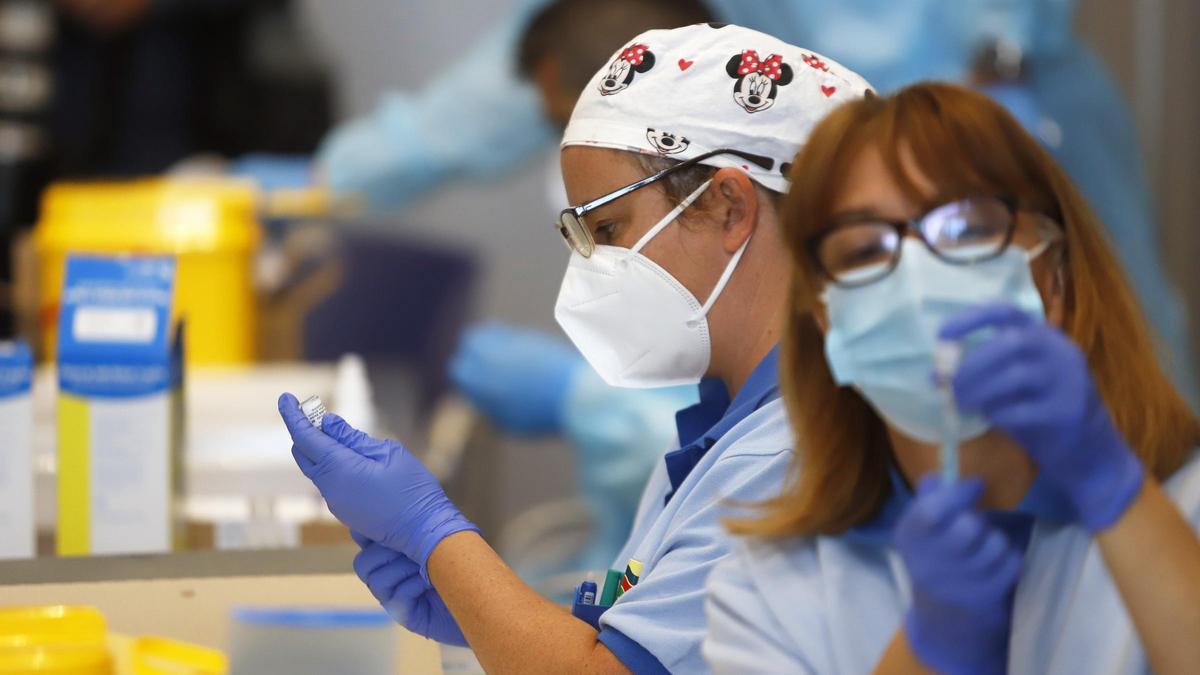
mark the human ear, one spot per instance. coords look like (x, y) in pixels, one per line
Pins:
(738, 203)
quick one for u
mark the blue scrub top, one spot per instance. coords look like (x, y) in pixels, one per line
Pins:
(1041, 501)
(831, 604)
(701, 425)
(733, 452)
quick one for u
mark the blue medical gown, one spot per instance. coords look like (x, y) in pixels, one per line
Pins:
(476, 120)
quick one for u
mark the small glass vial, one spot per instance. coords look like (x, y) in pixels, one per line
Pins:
(314, 410)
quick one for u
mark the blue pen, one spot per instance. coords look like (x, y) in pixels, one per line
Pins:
(587, 593)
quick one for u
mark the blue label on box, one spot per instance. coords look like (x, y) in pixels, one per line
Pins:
(115, 338)
(16, 369)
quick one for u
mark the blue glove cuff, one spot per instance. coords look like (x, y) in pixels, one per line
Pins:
(1111, 492)
(929, 653)
(453, 525)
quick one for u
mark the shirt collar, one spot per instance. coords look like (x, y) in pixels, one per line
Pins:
(700, 426)
(692, 421)
(1041, 502)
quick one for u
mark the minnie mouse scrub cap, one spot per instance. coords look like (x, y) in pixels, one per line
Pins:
(682, 92)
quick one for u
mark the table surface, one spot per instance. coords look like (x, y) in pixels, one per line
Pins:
(233, 430)
(198, 609)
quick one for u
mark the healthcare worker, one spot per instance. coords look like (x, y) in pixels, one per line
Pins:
(1033, 508)
(674, 157)
(398, 152)
(531, 383)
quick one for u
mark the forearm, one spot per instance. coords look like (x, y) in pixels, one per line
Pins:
(1154, 558)
(510, 627)
(900, 659)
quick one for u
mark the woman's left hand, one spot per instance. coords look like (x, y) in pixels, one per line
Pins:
(1031, 381)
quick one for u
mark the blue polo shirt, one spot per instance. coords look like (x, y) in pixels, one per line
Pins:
(730, 452)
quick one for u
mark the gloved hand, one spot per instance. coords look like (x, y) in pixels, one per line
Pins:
(396, 583)
(963, 573)
(1033, 382)
(375, 487)
(518, 377)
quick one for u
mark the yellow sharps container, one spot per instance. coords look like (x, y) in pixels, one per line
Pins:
(209, 224)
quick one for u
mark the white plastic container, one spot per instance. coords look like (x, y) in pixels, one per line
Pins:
(312, 641)
(16, 451)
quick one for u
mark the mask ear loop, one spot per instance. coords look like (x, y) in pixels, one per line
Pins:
(729, 268)
(1050, 232)
(1052, 235)
(670, 217)
(725, 276)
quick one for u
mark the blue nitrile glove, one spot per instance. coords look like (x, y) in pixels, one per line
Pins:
(396, 583)
(963, 573)
(1031, 381)
(375, 487)
(519, 377)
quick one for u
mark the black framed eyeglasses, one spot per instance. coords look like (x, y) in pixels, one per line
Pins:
(579, 238)
(859, 251)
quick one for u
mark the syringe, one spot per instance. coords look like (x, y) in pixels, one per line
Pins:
(946, 358)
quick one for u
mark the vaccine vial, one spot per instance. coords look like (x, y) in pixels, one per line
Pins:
(314, 410)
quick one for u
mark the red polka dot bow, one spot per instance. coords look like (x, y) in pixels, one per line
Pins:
(751, 64)
(634, 54)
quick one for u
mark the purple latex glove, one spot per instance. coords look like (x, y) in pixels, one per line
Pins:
(1033, 382)
(963, 573)
(375, 487)
(396, 583)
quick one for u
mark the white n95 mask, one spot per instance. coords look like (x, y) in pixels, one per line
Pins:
(633, 321)
(881, 336)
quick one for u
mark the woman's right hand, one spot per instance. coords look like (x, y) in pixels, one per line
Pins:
(1033, 382)
(963, 573)
(374, 486)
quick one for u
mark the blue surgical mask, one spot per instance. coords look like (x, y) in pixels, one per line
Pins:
(881, 336)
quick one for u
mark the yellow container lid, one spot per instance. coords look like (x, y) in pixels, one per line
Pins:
(51, 625)
(56, 660)
(153, 215)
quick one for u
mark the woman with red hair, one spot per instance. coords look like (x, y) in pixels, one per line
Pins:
(931, 233)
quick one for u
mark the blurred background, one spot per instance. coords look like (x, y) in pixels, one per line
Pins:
(295, 272)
